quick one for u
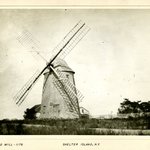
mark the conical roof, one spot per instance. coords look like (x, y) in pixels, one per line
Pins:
(62, 64)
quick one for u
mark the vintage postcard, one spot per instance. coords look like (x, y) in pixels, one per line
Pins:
(74, 77)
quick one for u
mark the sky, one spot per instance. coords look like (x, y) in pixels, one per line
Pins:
(111, 62)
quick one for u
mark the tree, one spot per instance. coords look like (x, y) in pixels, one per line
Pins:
(145, 106)
(127, 107)
(30, 114)
(133, 107)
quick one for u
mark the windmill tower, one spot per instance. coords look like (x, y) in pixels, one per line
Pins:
(55, 103)
(60, 97)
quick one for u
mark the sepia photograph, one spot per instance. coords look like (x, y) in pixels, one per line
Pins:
(75, 71)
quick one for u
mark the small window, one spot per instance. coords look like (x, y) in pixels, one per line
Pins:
(51, 104)
(67, 75)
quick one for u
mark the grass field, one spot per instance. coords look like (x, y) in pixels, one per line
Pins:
(130, 126)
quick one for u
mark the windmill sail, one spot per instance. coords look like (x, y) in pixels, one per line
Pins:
(67, 90)
(19, 97)
(22, 94)
(66, 97)
(72, 88)
(29, 41)
(72, 38)
(78, 32)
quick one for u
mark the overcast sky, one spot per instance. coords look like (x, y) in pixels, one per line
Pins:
(111, 63)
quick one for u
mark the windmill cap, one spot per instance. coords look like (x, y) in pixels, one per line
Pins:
(62, 64)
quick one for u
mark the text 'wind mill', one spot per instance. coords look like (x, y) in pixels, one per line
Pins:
(60, 97)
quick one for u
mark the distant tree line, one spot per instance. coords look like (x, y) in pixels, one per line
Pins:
(128, 106)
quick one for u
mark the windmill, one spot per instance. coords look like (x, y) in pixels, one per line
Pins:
(60, 97)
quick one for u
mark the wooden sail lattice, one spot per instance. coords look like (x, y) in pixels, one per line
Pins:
(71, 103)
(77, 38)
(73, 90)
(68, 91)
(24, 91)
(29, 41)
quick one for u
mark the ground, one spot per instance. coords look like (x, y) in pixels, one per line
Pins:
(85, 126)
